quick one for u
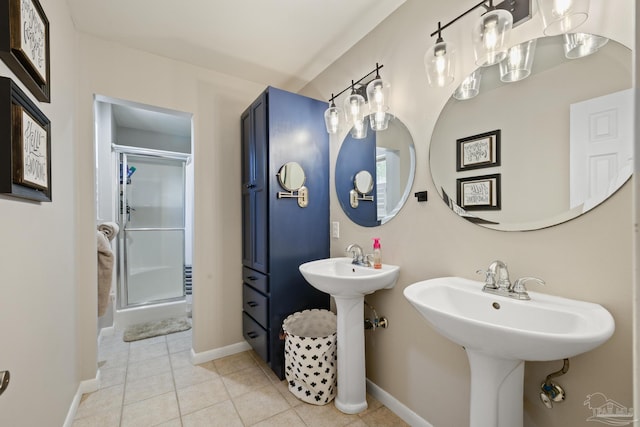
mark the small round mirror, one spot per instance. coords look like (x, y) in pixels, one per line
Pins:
(291, 176)
(363, 182)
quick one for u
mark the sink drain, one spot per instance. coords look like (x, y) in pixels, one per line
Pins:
(496, 305)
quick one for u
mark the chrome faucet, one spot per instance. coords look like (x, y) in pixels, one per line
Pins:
(358, 256)
(497, 282)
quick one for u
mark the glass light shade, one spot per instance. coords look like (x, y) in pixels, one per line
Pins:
(517, 65)
(359, 129)
(470, 86)
(491, 37)
(354, 108)
(577, 45)
(562, 16)
(332, 119)
(439, 62)
(378, 95)
(379, 120)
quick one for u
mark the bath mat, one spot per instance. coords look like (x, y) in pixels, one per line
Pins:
(157, 328)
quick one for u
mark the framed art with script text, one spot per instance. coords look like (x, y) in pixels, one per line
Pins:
(478, 151)
(25, 146)
(24, 44)
(479, 193)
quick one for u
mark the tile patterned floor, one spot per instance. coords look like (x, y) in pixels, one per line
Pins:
(152, 383)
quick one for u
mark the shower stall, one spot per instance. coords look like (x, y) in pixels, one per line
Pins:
(150, 205)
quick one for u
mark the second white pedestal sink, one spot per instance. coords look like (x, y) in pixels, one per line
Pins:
(500, 333)
(348, 284)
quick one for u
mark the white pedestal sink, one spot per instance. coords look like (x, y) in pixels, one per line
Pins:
(348, 284)
(500, 333)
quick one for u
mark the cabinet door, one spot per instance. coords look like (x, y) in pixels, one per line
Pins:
(254, 185)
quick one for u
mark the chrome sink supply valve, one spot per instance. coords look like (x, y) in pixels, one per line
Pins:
(552, 392)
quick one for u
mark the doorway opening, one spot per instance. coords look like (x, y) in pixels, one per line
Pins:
(144, 183)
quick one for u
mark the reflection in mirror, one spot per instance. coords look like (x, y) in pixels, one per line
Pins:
(362, 186)
(566, 137)
(363, 182)
(291, 177)
(389, 158)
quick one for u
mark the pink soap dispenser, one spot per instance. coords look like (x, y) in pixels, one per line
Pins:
(377, 255)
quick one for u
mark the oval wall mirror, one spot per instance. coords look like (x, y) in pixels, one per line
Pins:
(540, 151)
(389, 157)
(291, 176)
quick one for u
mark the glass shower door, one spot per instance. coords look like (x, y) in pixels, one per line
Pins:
(152, 216)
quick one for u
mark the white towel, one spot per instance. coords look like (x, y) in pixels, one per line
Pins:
(105, 272)
(109, 229)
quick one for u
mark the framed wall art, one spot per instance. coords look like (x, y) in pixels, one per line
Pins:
(479, 192)
(478, 151)
(24, 44)
(25, 146)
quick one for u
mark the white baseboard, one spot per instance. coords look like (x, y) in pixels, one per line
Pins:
(217, 353)
(88, 386)
(106, 332)
(398, 408)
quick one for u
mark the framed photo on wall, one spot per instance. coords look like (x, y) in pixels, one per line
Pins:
(24, 44)
(25, 146)
(479, 192)
(478, 151)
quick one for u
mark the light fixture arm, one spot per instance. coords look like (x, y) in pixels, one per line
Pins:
(448, 24)
(354, 83)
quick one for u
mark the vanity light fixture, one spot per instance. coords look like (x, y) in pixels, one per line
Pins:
(578, 45)
(518, 62)
(356, 112)
(490, 37)
(354, 107)
(378, 96)
(562, 16)
(439, 61)
(470, 86)
(332, 117)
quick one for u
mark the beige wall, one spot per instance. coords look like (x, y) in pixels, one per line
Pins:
(216, 102)
(38, 306)
(589, 258)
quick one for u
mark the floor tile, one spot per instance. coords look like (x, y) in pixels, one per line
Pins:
(285, 419)
(151, 351)
(104, 400)
(199, 396)
(220, 415)
(190, 375)
(148, 341)
(145, 388)
(236, 362)
(383, 417)
(103, 419)
(112, 376)
(148, 368)
(324, 415)
(181, 360)
(181, 344)
(151, 412)
(244, 381)
(260, 404)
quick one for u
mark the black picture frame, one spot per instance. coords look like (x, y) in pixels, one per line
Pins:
(28, 56)
(478, 151)
(25, 146)
(476, 193)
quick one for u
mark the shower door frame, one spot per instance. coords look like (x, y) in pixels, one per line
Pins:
(120, 156)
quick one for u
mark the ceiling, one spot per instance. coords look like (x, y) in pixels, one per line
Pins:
(283, 43)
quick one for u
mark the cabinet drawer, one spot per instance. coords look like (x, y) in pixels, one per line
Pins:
(255, 305)
(256, 336)
(257, 280)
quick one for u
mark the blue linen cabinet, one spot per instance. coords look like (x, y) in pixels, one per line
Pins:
(277, 234)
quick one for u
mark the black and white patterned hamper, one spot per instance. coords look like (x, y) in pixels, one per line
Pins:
(310, 355)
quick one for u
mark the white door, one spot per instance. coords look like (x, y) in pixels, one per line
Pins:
(601, 147)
